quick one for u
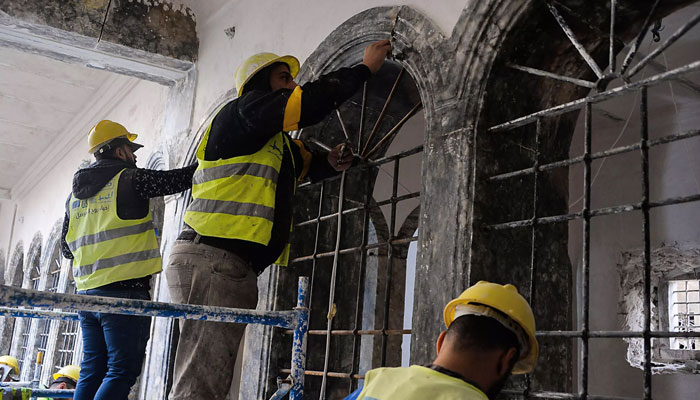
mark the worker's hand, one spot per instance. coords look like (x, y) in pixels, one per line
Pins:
(375, 54)
(340, 158)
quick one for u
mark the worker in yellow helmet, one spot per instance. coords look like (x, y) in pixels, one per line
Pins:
(490, 334)
(108, 231)
(65, 378)
(9, 369)
(240, 219)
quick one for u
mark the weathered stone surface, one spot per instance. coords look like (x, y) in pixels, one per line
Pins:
(667, 263)
(153, 27)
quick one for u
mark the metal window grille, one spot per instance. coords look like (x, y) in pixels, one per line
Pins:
(684, 312)
(357, 210)
(67, 338)
(54, 276)
(627, 71)
(27, 325)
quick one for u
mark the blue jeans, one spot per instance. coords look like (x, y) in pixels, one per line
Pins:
(114, 347)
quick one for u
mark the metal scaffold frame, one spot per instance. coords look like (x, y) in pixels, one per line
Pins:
(296, 320)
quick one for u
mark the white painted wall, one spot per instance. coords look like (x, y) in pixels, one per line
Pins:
(140, 109)
(280, 27)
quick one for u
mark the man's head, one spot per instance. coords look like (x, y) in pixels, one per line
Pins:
(111, 140)
(9, 369)
(66, 378)
(266, 72)
(491, 334)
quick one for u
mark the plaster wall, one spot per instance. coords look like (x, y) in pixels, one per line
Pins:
(283, 28)
(141, 111)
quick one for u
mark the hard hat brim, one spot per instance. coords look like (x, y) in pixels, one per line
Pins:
(130, 137)
(291, 61)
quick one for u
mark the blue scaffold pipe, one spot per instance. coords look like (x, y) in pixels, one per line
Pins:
(299, 343)
(281, 392)
(40, 314)
(53, 393)
(16, 297)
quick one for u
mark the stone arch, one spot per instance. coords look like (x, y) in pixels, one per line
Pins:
(3, 266)
(33, 266)
(52, 250)
(156, 160)
(16, 265)
(533, 38)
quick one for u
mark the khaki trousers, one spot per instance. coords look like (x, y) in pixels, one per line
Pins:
(206, 351)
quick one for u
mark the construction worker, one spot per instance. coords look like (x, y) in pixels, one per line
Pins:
(9, 369)
(490, 334)
(240, 219)
(65, 378)
(108, 232)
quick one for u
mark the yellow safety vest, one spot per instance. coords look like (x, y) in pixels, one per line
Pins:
(416, 383)
(234, 198)
(106, 248)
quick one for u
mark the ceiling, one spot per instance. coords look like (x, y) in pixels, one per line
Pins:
(39, 98)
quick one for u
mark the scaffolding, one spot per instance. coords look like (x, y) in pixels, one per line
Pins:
(297, 320)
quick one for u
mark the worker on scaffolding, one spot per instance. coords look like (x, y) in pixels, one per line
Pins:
(65, 379)
(9, 369)
(108, 232)
(240, 219)
(490, 334)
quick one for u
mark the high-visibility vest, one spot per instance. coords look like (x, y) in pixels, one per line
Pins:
(416, 383)
(234, 198)
(106, 248)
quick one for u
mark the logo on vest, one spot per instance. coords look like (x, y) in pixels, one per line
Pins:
(276, 151)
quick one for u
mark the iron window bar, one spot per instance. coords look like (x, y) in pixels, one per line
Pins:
(644, 205)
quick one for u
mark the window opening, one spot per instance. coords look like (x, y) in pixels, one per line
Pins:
(67, 338)
(27, 325)
(354, 234)
(54, 276)
(531, 222)
(684, 312)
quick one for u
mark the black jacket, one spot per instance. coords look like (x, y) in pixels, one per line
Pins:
(246, 124)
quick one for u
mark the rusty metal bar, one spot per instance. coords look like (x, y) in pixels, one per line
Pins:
(343, 375)
(362, 117)
(342, 124)
(318, 233)
(663, 46)
(644, 133)
(601, 154)
(611, 55)
(617, 334)
(572, 38)
(638, 39)
(585, 284)
(383, 112)
(357, 248)
(394, 130)
(331, 296)
(547, 74)
(596, 98)
(399, 199)
(390, 262)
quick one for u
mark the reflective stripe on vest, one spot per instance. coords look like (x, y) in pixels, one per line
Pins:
(106, 248)
(234, 198)
(416, 383)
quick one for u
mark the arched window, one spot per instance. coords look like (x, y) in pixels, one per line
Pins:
(15, 278)
(31, 281)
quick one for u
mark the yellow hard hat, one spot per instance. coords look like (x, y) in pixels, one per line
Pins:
(69, 371)
(12, 362)
(105, 131)
(253, 64)
(507, 300)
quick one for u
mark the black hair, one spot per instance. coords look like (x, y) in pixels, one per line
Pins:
(480, 332)
(70, 383)
(108, 151)
(261, 80)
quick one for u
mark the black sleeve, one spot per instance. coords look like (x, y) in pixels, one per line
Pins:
(64, 231)
(263, 113)
(148, 183)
